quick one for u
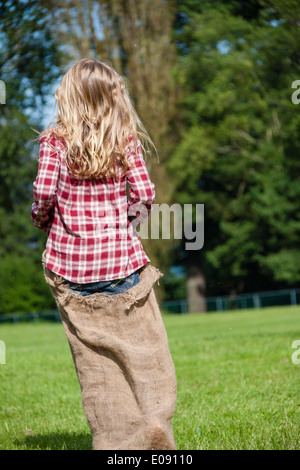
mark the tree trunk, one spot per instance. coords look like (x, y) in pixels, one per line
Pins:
(196, 290)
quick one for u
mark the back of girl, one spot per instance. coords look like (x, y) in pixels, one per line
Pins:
(100, 276)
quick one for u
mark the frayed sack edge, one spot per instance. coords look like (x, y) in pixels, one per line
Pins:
(148, 276)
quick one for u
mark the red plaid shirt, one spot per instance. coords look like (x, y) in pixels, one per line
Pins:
(90, 234)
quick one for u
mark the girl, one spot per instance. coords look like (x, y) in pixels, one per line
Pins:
(99, 274)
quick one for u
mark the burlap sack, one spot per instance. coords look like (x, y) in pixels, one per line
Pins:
(123, 363)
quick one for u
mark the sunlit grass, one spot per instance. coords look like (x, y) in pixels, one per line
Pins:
(237, 385)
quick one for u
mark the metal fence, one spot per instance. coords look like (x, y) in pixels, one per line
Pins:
(230, 302)
(213, 304)
(44, 315)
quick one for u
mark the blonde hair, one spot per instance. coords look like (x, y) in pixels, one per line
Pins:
(96, 120)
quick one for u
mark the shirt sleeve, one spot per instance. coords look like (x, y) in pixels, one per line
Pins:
(45, 185)
(141, 189)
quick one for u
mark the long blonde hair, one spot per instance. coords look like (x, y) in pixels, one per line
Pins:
(96, 120)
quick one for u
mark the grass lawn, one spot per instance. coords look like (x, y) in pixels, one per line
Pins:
(237, 385)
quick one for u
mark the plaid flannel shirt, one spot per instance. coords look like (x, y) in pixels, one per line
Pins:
(90, 234)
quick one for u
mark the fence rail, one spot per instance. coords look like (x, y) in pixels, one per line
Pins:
(241, 301)
(213, 304)
(44, 315)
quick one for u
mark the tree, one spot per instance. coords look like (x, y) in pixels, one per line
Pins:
(136, 38)
(238, 150)
(28, 65)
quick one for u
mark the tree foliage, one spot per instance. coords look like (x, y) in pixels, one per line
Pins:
(136, 38)
(239, 149)
(212, 82)
(28, 64)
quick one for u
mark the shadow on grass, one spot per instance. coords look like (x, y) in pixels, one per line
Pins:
(56, 441)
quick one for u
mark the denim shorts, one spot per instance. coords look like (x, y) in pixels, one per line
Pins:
(117, 286)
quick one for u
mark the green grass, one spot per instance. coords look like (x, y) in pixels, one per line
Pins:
(237, 385)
